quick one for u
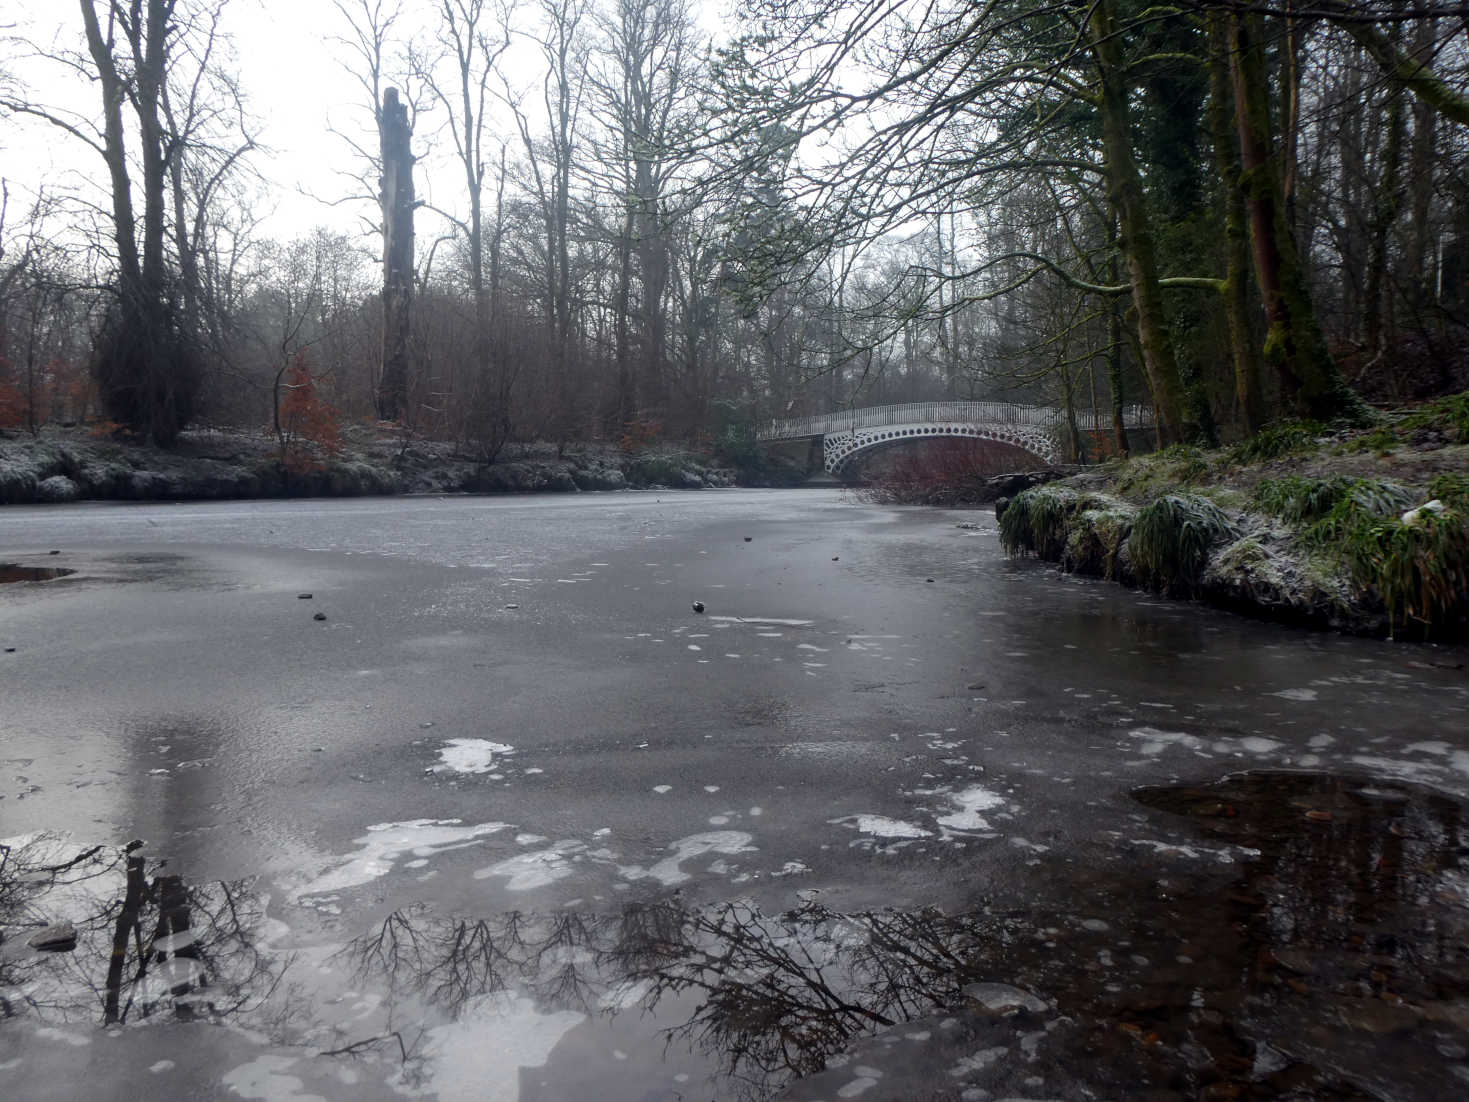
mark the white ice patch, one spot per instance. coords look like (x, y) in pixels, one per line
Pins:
(668, 872)
(385, 843)
(971, 802)
(1255, 744)
(880, 826)
(265, 1078)
(982, 1059)
(1296, 694)
(479, 1057)
(857, 1087)
(1156, 741)
(538, 869)
(1422, 772)
(763, 620)
(471, 755)
(626, 994)
(1226, 856)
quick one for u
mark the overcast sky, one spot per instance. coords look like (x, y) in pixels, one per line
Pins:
(298, 89)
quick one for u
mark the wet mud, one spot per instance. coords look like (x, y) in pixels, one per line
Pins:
(14, 572)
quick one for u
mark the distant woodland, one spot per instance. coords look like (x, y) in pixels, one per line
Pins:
(1236, 212)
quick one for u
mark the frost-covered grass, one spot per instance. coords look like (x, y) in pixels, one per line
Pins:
(1171, 539)
(68, 465)
(1410, 549)
(1305, 521)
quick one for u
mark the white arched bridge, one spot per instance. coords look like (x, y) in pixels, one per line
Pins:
(1039, 430)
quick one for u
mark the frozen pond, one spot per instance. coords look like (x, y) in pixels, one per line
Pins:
(460, 798)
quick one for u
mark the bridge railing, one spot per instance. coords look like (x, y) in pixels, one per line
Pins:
(964, 413)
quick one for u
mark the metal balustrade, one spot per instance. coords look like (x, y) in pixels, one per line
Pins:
(1050, 418)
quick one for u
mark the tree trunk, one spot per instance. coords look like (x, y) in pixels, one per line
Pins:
(145, 368)
(1236, 233)
(395, 134)
(1125, 190)
(1386, 200)
(627, 391)
(1420, 182)
(1294, 344)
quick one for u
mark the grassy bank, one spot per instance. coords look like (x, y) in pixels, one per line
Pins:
(1364, 531)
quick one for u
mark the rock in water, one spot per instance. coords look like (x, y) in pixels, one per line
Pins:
(1003, 999)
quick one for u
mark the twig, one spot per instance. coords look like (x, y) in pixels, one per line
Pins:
(346, 1050)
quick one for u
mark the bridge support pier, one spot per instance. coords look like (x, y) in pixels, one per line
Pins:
(815, 456)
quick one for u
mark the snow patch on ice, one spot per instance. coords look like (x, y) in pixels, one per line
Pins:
(763, 620)
(668, 871)
(537, 869)
(385, 843)
(1156, 741)
(970, 803)
(479, 1056)
(880, 826)
(265, 1077)
(471, 755)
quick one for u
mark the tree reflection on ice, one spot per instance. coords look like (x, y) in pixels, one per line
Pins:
(1270, 935)
(1323, 950)
(148, 943)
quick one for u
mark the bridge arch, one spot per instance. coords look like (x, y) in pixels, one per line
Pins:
(841, 449)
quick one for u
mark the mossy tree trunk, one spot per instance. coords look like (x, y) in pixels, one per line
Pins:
(1295, 346)
(1125, 190)
(1236, 290)
(1115, 338)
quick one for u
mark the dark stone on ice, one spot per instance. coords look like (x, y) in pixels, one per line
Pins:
(319, 616)
(749, 538)
(698, 606)
(303, 596)
(60, 938)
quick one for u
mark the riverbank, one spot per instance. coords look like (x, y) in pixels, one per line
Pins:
(61, 465)
(1362, 531)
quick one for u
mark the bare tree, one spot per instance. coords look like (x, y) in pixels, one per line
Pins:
(469, 40)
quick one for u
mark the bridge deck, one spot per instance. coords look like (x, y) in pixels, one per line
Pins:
(939, 413)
